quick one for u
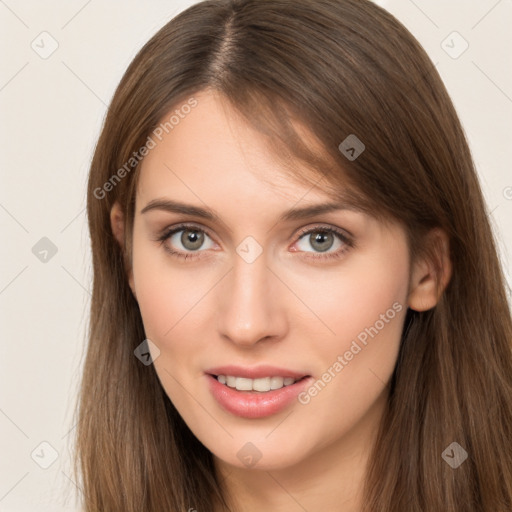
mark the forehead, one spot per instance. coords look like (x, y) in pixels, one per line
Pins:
(212, 151)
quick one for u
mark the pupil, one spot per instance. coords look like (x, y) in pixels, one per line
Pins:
(192, 239)
(320, 238)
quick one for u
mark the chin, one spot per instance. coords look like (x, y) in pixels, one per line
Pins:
(262, 454)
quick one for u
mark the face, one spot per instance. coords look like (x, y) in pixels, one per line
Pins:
(260, 299)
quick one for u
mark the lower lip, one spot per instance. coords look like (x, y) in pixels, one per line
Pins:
(247, 404)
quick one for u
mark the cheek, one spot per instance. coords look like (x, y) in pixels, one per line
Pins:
(161, 296)
(346, 301)
(366, 311)
(362, 301)
(170, 301)
(166, 300)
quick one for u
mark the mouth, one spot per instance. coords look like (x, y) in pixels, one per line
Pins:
(259, 385)
(258, 393)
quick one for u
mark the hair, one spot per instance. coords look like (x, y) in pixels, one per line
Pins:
(336, 68)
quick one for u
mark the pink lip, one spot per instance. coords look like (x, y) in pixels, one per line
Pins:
(257, 372)
(253, 404)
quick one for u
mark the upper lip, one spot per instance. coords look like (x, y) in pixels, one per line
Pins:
(255, 372)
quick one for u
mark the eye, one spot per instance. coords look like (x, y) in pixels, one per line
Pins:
(185, 238)
(322, 239)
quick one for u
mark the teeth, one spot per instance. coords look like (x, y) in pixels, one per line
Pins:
(264, 384)
(243, 384)
(276, 382)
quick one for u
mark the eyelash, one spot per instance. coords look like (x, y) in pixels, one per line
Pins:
(348, 243)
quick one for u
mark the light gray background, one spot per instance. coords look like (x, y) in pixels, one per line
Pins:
(51, 113)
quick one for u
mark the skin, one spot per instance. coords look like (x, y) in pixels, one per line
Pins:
(285, 309)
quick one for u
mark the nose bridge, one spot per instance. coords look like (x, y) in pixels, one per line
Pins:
(249, 303)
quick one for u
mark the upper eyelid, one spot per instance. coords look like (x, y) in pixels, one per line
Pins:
(326, 227)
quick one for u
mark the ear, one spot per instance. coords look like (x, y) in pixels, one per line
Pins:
(430, 274)
(117, 223)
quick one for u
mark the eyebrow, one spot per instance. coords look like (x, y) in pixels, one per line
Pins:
(205, 213)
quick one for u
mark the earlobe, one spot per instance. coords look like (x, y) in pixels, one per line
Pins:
(430, 275)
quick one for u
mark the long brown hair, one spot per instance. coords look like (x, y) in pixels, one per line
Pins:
(336, 68)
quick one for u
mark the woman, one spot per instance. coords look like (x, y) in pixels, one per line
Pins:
(297, 300)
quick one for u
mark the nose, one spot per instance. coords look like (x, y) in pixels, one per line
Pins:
(251, 304)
